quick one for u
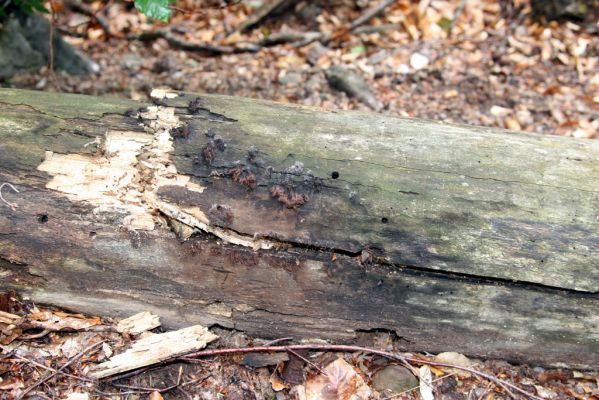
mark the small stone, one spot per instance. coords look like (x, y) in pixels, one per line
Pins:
(418, 61)
(350, 82)
(316, 51)
(524, 118)
(394, 378)
(500, 112)
(290, 78)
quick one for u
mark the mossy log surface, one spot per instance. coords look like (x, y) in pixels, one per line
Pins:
(277, 219)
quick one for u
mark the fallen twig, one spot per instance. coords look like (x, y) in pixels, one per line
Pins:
(53, 374)
(310, 363)
(178, 43)
(456, 16)
(285, 339)
(81, 8)
(370, 13)
(268, 9)
(348, 348)
(10, 185)
(162, 390)
(35, 335)
(81, 378)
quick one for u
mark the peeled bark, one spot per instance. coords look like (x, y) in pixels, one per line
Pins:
(287, 220)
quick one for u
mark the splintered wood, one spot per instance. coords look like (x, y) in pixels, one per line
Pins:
(154, 349)
(138, 323)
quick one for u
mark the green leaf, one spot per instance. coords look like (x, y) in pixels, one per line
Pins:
(27, 6)
(444, 23)
(357, 49)
(39, 6)
(155, 9)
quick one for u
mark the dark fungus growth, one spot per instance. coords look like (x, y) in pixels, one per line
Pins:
(221, 215)
(159, 102)
(240, 174)
(219, 143)
(131, 113)
(208, 153)
(180, 132)
(194, 106)
(288, 197)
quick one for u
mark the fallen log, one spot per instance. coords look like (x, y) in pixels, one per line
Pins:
(288, 220)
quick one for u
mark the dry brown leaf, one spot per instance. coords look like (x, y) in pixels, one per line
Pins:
(341, 382)
(155, 395)
(276, 382)
(56, 321)
(11, 384)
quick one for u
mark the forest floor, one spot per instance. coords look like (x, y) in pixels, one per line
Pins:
(477, 64)
(498, 67)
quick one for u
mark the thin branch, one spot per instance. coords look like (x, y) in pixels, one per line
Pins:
(162, 390)
(285, 339)
(51, 75)
(370, 13)
(264, 12)
(52, 375)
(310, 363)
(456, 16)
(35, 335)
(347, 348)
(178, 43)
(10, 185)
(84, 9)
(81, 378)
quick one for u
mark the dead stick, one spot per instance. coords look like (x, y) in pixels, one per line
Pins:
(79, 7)
(285, 339)
(339, 347)
(161, 390)
(81, 378)
(52, 375)
(310, 363)
(370, 13)
(456, 16)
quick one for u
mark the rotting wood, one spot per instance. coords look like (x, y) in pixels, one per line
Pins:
(138, 323)
(154, 349)
(216, 210)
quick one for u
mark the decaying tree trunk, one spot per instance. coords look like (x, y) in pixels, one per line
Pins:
(286, 220)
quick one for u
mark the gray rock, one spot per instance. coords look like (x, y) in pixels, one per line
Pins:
(316, 51)
(131, 61)
(350, 82)
(394, 378)
(291, 79)
(24, 47)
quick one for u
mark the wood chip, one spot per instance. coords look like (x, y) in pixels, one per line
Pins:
(154, 349)
(138, 323)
